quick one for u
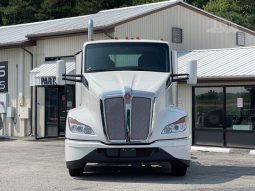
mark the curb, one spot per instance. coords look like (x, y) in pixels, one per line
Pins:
(221, 150)
(210, 149)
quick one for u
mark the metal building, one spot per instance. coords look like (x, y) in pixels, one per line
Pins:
(25, 47)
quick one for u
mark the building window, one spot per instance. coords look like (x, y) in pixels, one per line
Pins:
(209, 106)
(240, 38)
(177, 35)
(66, 58)
(240, 108)
(232, 108)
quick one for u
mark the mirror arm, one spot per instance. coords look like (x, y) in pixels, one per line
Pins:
(81, 79)
(72, 80)
(72, 75)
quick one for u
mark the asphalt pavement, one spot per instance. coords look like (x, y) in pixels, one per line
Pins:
(39, 165)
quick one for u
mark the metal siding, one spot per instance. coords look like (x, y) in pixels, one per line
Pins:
(199, 31)
(185, 101)
(62, 46)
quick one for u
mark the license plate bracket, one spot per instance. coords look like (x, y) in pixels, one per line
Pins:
(127, 152)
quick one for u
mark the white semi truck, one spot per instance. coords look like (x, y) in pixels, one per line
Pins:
(125, 111)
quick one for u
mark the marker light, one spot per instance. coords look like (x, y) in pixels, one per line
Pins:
(176, 127)
(79, 128)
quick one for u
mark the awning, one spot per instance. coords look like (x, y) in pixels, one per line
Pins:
(45, 74)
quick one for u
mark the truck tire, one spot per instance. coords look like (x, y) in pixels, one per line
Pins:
(76, 172)
(178, 169)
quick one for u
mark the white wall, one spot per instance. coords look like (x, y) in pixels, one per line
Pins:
(18, 84)
(199, 31)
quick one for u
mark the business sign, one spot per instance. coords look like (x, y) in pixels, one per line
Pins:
(48, 81)
(3, 77)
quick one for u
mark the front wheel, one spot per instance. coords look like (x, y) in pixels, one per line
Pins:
(178, 169)
(76, 172)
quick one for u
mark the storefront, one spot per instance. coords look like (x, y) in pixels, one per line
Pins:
(53, 99)
(222, 104)
(224, 116)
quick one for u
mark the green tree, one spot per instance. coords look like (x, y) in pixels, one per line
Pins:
(238, 11)
(198, 3)
(55, 9)
(18, 11)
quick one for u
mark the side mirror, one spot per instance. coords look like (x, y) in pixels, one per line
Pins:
(192, 70)
(60, 70)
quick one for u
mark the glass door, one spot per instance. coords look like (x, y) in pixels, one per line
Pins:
(58, 101)
(208, 115)
(240, 116)
(67, 100)
(51, 112)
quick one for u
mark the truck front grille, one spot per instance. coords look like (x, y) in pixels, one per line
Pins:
(115, 118)
(140, 118)
(127, 123)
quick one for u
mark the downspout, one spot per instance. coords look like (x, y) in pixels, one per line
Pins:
(31, 91)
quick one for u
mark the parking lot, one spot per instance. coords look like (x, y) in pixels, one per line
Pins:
(40, 165)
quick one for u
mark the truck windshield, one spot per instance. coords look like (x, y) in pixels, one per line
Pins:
(132, 56)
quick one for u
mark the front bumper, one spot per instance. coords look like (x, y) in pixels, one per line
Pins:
(78, 153)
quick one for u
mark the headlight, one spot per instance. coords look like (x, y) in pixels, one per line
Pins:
(178, 126)
(77, 127)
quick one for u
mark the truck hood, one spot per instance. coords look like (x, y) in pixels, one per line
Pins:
(102, 82)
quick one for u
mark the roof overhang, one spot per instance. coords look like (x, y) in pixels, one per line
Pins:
(69, 32)
(225, 79)
(19, 44)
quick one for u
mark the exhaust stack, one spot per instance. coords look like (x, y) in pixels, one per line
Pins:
(90, 30)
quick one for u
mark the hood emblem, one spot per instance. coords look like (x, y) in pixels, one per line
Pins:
(127, 95)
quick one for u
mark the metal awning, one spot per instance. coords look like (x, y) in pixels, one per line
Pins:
(45, 74)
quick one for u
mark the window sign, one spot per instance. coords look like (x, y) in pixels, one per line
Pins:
(3, 77)
(239, 102)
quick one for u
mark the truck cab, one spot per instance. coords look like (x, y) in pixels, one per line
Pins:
(125, 107)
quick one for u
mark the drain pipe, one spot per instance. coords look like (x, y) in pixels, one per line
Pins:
(90, 30)
(31, 91)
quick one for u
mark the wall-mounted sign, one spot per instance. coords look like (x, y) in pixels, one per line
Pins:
(3, 77)
(48, 81)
